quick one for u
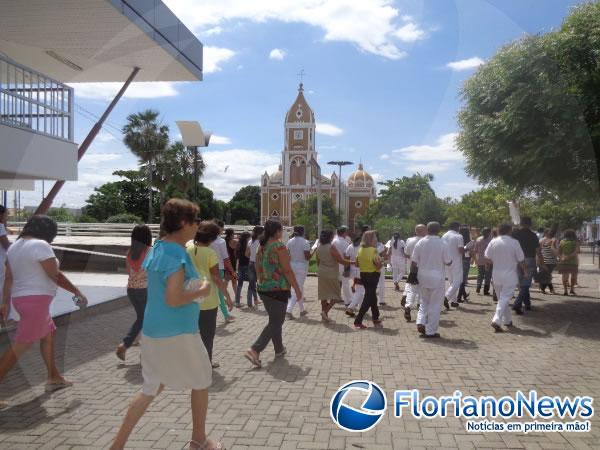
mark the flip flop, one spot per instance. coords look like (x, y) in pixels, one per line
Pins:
(52, 387)
(250, 356)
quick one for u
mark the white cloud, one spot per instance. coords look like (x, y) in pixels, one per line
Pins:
(97, 158)
(443, 150)
(409, 32)
(213, 31)
(229, 170)
(457, 189)
(107, 91)
(465, 64)
(214, 57)
(219, 140)
(372, 25)
(431, 167)
(328, 129)
(384, 156)
(277, 54)
(104, 137)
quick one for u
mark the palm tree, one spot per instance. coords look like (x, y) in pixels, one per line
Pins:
(175, 168)
(146, 137)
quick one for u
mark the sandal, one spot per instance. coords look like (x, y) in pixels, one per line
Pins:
(51, 387)
(252, 356)
(206, 445)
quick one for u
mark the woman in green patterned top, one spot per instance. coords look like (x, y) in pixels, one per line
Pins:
(568, 260)
(275, 280)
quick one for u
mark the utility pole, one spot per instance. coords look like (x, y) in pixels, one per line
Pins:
(339, 197)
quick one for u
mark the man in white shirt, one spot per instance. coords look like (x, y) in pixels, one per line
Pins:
(341, 242)
(358, 288)
(429, 260)
(411, 291)
(299, 249)
(505, 253)
(220, 247)
(395, 248)
(456, 248)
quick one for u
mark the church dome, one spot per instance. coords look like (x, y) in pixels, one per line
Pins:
(277, 177)
(360, 178)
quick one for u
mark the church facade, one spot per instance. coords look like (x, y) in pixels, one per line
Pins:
(296, 179)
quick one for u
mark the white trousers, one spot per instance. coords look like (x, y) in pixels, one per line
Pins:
(398, 269)
(381, 287)
(413, 295)
(430, 309)
(455, 276)
(504, 292)
(357, 297)
(300, 272)
(346, 289)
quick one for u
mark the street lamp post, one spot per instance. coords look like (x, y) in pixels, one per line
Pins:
(193, 137)
(339, 199)
(317, 168)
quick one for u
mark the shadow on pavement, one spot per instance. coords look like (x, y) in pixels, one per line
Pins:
(465, 344)
(281, 369)
(31, 414)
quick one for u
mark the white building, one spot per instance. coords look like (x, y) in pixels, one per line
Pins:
(45, 44)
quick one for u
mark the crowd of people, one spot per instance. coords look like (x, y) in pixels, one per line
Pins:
(178, 283)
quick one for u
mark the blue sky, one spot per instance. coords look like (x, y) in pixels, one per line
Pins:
(383, 78)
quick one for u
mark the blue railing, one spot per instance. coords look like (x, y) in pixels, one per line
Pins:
(35, 102)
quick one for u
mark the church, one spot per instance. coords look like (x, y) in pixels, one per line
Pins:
(296, 178)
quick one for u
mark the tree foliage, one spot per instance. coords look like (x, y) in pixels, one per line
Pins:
(129, 195)
(305, 213)
(531, 114)
(403, 199)
(245, 205)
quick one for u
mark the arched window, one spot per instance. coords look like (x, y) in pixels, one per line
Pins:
(298, 171)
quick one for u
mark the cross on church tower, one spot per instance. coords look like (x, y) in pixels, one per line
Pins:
(301, 75)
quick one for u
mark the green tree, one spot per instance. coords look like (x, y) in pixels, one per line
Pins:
(531, 114)
(174, 172)
(129, 195)
(61, 214)
(146, 138)
(397, 197)
(486, 207)
(305, 213)
(245, 205)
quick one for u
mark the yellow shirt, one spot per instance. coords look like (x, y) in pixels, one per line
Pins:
(365, 258)
(204, 258)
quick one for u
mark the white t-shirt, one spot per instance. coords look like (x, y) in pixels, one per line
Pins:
(431, 256)
(220, 247)
(253, 249)
(341, 244)
(351, 252)
(410, 246)
(454, 241)
(297, 246)
(397, 254)
(505, 253)
(29, 278)
(315, 245)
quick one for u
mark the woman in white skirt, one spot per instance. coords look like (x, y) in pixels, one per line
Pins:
(173, 354)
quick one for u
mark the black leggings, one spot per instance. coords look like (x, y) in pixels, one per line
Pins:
(369, 281)
(207, 322)
(137, 297)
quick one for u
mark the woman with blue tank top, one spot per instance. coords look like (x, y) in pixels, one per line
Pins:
(173, 354)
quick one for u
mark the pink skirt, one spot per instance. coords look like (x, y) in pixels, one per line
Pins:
(36, 321)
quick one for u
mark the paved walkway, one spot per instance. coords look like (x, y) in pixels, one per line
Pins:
(554, 349)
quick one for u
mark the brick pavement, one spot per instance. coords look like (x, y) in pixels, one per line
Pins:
(554, 349)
